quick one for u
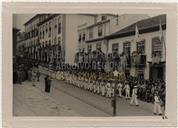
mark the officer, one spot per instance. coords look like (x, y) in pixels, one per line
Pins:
(134, 96)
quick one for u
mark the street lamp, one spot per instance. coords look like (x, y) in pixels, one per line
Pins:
(115, 73)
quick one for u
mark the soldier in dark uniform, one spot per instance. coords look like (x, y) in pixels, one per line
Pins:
(48, 87)
(46, 82)
(38, 75)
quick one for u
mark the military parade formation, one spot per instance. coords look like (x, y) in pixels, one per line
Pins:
(101, 83)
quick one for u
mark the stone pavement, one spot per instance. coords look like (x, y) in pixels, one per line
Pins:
(103, 103)
(68, 100)
(30, 101)
(33, 101)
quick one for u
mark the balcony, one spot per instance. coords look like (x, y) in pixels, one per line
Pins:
(138, 61)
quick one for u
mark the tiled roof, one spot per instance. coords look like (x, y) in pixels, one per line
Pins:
(34, 17)
(144, 26)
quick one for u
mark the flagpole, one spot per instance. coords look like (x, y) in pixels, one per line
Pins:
(162, 37)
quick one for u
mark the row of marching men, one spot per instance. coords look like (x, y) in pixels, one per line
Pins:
(107, 88)
(103, 87)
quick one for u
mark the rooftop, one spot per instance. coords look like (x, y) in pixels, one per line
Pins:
(33, 18)
(146, 25)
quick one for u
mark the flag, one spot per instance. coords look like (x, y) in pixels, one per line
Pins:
(136, 34)
(161, 37)
(160, 31)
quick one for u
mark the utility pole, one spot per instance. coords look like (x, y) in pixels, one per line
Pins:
(114, 100)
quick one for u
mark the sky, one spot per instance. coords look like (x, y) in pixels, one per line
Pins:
(20, 19)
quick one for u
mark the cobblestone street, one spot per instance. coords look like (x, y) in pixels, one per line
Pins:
(67, 100)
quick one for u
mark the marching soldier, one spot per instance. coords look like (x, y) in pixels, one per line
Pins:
(103, 90)
(91, 86)
(109, 90)
(134, 96)
(157, 104)
(98, 87)
(112, 89)
(94, 86)
(120, 89)
(127, 91)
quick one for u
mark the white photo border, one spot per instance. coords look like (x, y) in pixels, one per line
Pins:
(132, 8)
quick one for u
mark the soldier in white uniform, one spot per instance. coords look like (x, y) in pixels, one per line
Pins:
(134, 96)
(127, 91)
(94, 86)
(112, 89)
(107, 89)
(98, 87)
(119, 86)
(157, 105)
(103, 90)
(91, 85)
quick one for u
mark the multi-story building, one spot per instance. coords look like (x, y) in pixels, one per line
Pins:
(15, 31)
(95, 35)
(21, 45)
(132, 44)
(58, 36)
(144, 44)
(105, 25)
(31, 36)
(53, 38)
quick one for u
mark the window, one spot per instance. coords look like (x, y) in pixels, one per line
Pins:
(59, 28)
(80, 37)
(55, 40)
(46, 27)
(59, 40)
(156, 47)
(98, 46)
(36, 32)
(103, 18)
(100, 30)
(49, 42)
(40, 35)
(115, 47)
(43, 32)
(90, 33)
(83, 37)
(89, 48)
(126, 48)
(141, 47)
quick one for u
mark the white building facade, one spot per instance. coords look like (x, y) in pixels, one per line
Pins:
(150, 45)
(149, 49)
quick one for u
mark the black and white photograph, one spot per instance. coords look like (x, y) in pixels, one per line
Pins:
(89, 64)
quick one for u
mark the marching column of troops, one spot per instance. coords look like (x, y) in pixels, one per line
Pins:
(131, 88)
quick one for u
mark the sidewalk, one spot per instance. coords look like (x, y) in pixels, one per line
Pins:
(33, 101)
(30, 101)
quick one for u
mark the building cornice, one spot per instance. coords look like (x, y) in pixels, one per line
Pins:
(46, 20)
